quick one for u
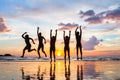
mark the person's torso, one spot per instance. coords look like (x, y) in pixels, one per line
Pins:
(78, 38)
(52, 42)
(40, 38)
(27, 41)
(66, 41)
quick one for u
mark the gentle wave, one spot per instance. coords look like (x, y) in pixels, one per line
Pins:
(101, 58)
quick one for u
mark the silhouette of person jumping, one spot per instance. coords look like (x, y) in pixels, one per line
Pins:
(52, 44)
(28, 45)
(41, 45)
(78, 41)
(66, 43)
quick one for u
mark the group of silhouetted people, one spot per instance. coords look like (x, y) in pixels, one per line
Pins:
(78, 35)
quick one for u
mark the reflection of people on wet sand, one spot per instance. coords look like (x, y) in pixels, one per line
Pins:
(40, 76)
(28, 45)
(67, 71)
(79, 73)
(41, 45)
(52, 44)
(66, 43)
(78, 41)
(23, 75)
(52, 71)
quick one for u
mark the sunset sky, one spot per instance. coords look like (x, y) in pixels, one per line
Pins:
(100, 20)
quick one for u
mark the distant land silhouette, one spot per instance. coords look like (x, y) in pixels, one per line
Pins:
(6, 54)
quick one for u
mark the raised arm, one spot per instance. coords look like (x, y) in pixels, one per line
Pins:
(23, 34)
(69, 34)
(55, 33)
(32, 40)
(37, 30)
(63, 34)
(80, 31)
(50, 33)
(76, 30)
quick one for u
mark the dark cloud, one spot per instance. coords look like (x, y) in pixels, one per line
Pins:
(67, 26)
(87, 13)
(102, 16)
(91, 43)
(94, 20)
(113, 14)
(3, 26)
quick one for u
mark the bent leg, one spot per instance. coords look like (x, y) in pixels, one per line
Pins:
(29, 48)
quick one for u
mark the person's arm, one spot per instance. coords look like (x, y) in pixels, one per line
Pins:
(76, 31)
(56, 33)
(23, 34)
(69, 34)
(80, 31)
(37, 30)
(63, 34)
(32, 40)
(50, 33)
(44, 40)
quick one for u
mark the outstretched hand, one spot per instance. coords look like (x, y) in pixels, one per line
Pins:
(45, 42)
(77, 28)
(37, 27)
(25, 32)
(80, 27)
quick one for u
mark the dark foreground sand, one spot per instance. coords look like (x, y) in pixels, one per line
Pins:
(75, 70)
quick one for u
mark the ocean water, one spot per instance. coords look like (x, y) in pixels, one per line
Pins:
(60, 70)
(91, 58)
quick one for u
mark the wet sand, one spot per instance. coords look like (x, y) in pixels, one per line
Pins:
(75, 70)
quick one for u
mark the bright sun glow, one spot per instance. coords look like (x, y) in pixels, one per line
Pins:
(59, 54)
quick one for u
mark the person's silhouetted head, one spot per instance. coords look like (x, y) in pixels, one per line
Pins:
(53, 37)
(40, 34)
(67, 37)
(77, 33)
(26, 36)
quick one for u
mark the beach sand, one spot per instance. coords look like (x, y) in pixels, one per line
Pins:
(59, 70)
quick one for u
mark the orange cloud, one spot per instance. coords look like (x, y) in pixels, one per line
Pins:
(3, 26)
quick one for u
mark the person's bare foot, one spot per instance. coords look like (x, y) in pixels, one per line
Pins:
(21, 56)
